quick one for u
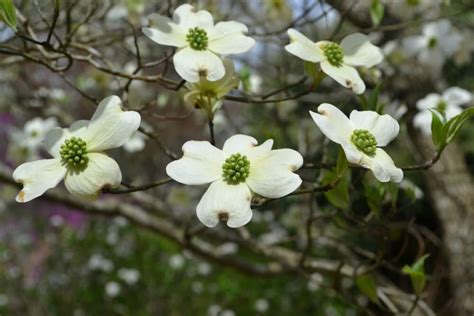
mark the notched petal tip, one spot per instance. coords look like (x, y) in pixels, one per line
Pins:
(20, 197)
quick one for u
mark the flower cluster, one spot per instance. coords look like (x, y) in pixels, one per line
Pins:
(242, 169)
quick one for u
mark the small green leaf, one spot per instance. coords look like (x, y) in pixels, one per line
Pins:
(439, 139)
(452, 127)
(376, 12)
(366, 285)
(373, 100)
(417, 274)
(8, 13)
(342, 162)
(244, 78)
(339, 195)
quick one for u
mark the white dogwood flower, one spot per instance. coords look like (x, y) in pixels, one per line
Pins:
(31, 136)
(209, 95)
(438, 41)
(360, 136)
(234, 172)
(199, 41)
(78, 154)
(338, 60)
(449, 104)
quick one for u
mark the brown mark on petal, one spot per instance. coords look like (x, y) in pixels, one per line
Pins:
(21, 196)
(202, 72)
(223, 216)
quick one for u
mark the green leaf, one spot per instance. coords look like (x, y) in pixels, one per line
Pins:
(452, 127)
(376, 12)
(417, 274)
(339, 195)
(342, 162)
(374, 192)
(366, 285)
(311, 69)
(8, 13)
(373, 100)
(439, 139)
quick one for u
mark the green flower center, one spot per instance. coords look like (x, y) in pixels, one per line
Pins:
(364, 141)
(441, 106)
(334, 54)
(235, 169)
(74, 153)
(197, 38)
(432, 42)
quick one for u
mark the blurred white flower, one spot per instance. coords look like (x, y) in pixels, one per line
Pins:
(234, 172)
(78, 154)
(98, 263)
(438, 41)
(56, 220)
(213, 310)
(199, 41)
(338, 60)
(32, 136)
(227, 312)
(261, 305)
(136, 143)
(204, 268)
(449, 103)
(176, 262)
(315, 281)
(360, 138)
(112, 289)
(129, 276)
(226, 249)
(407, 9)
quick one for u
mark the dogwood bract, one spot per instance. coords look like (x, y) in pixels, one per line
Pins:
(234, 172)
(338, 60)
(438, 41)
(449, 104)
(78, 156)
(199, 41)
(360, 138)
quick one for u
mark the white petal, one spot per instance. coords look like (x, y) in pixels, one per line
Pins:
(201, 163)
(451, 43)
(303, 47)
(272, 175)
(353, 155)
(383, 127)
(383, 167)
(225, 201)
(428, 102)
(333, 123)
(422, 120)
(359, 51)
(56, 137)
(191, 64)
(347, 76)
(163, 31)
(433, 58)
(239, 143)
(37, 177)
(457, 96)
(101, 171)
(414, 44)
(185, 16)
(452, 111)
(228, 38)
(110, 127)
(437, 29)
